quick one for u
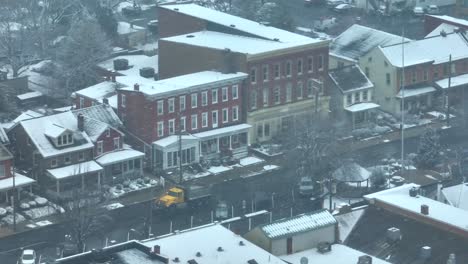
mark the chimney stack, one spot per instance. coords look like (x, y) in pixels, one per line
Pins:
(105, 101)
(424, 209)
(136, 87)
(81, 122)
(157, 249)
(365, 259)
(112, 77)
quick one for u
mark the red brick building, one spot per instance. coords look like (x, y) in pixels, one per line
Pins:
(431, 22)
(286, 71)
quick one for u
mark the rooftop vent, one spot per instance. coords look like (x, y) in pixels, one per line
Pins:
(252, 261)
(192, 261)
(190, 36)
(120, 64)
(365, 260)
(136, 87)
(443, 33)
(241, 243)
(147, 72)
(304, 260)
(220, 249)
(425, 252)
(232, 25)
(176, 9)
(324, 247)
(424, 209)
(276, 39)
(198, 254)
(176, 259)
(393, 234)
(413, 192)
(157, 249)
(452, 259)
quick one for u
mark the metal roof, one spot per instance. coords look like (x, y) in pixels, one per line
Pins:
(299, 224)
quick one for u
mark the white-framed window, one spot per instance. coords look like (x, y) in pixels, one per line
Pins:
(67, 159)
(182, 124)
(194, 100)
(81, 102)
(320, 63)
(171, 125)
(310, 64)
(253, 75)
(349, 99)
(204, 98)
(225, 115)
(299, 66)
(182, 102)
(300, 90)
(288, 68)
(425, 75)
(53, 163)
(214, 119)
(310, 88)
(357, 97)
(160, 107)
(288, 92)
(2, 170)
(277, 95)
(170, 106)
(81, 156)
(123, 100)
(253, 99)
(277, 70)
(265, 73)
(235, 113)
(116, 142)
(235, 91)
(160, 129)
(224, 94)
(214, 96)
(204, 119)
(99, 147)
(365, 96)
(266, 95)
(194, 122)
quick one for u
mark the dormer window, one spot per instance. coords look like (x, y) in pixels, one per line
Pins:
(59, 135)
(64, 140)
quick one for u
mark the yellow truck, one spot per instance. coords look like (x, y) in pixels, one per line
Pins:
(179, 197)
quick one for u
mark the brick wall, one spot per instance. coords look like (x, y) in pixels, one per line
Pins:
(108, 141)
(173, 23)
(7, 166)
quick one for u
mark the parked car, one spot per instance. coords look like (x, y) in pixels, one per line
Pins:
(333, 3)
(418, 11)
(343, 8)
(306, 186)
(433, 10)
(28, 257)
(325, 24)
(221, 211)
(313, 2)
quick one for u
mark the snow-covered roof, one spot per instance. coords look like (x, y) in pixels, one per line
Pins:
(3, 136)
(457, 195)
(455, 81)
(428, 50)
(113, 101)
(358, 40)
(447, 28)
(206, 240)
(361, 107)
(74, 170)
(20, 180)
(29, 95)
(94, 128)
(298, 224)
(174, 139)
(5, 154)
(182, 83)
(54, 130)
(347, 221)
(135, 63)
(340, 254)
(350, 78)
(36, 128)
(99, 91)
(238, 23)
(454, 20)
(119, 155)
(27, 115)
(399, 197)
(101, 112)
(351, 172)
(415, 91)
(224, 131)
(127, 28)
(235, 43)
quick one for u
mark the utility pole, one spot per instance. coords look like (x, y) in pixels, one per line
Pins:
(13, 201)
(402, 89)
(447, 116)
(179, 132)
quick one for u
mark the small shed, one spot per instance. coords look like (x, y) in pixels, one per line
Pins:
(352, 174)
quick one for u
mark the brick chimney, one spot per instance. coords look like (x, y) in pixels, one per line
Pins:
(157, 249)
(136, 87)
(81, 122)
(105, 101)
(112, 77)
(424, 209)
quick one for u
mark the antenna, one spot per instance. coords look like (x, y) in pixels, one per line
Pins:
(402, 88)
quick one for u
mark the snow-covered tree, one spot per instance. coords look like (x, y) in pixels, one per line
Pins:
(428, 150)
(275, 14)
(246, 8)
(220, 5)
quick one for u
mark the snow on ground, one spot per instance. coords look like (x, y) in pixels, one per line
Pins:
(9, 219)
(249, 161)
(439, 115)
(113, 206)
(218, 169)
(39, 212)
(131, 186)
(196, 176)
(270, 167)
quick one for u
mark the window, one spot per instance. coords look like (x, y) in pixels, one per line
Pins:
(214, 119)
(364, 96)
(299, 90)
(214, 96)
(310, 88)
(310, 64)
(253, 75)
(80, 156)
(288, 68)
(425, 75)
(235, 91)
(266, 130)
(53, 162)
(67, 159)
(260, 130)
(116, 142)
(99, 147)
(436, 74)
(299, 66)
(288, 92)
(182, 124)
(2, 171)
(70, 138)
(349, 99)
(171, 105)
(413, 77)
(81, 102)
(265, 73)
(453, 69)
(225, 115)
(204, 119)
(277, 69)
(320, 63)
(204, 98)
(388, 80)
(253, 99)
(367, 72)
(108, 132)
(265, 96)
(276, 94)
(224, 94)
(194, 100)
(356, 97)
(182, 103)
(171, 124)
(123, 100)
(160, 107)
(194, 122)
(235, 113)
(160, 129)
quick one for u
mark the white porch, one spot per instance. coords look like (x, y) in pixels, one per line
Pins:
(361, 112)
(20, 182)
(85, 174)
(121, 164)
(416, 99)
(166, 151)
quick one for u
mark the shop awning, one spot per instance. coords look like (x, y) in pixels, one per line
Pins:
(75, 170)
(454, 82)
(415, 92)
(118, 156)
(20, 181)
(222, 132)
(361, 107)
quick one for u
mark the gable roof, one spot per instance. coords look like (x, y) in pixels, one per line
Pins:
(350, 78)
(3, 136)
(457, 195)
(428, 50)
(99, 91)
(101, 112)
(351, 172)
(54, 130)
(36, 130)
(447, 28)
(358, 40)
(298, 224)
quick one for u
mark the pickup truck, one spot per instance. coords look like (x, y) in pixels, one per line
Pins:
(180, 197)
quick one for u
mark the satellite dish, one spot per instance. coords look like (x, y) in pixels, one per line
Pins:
(304, 260)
